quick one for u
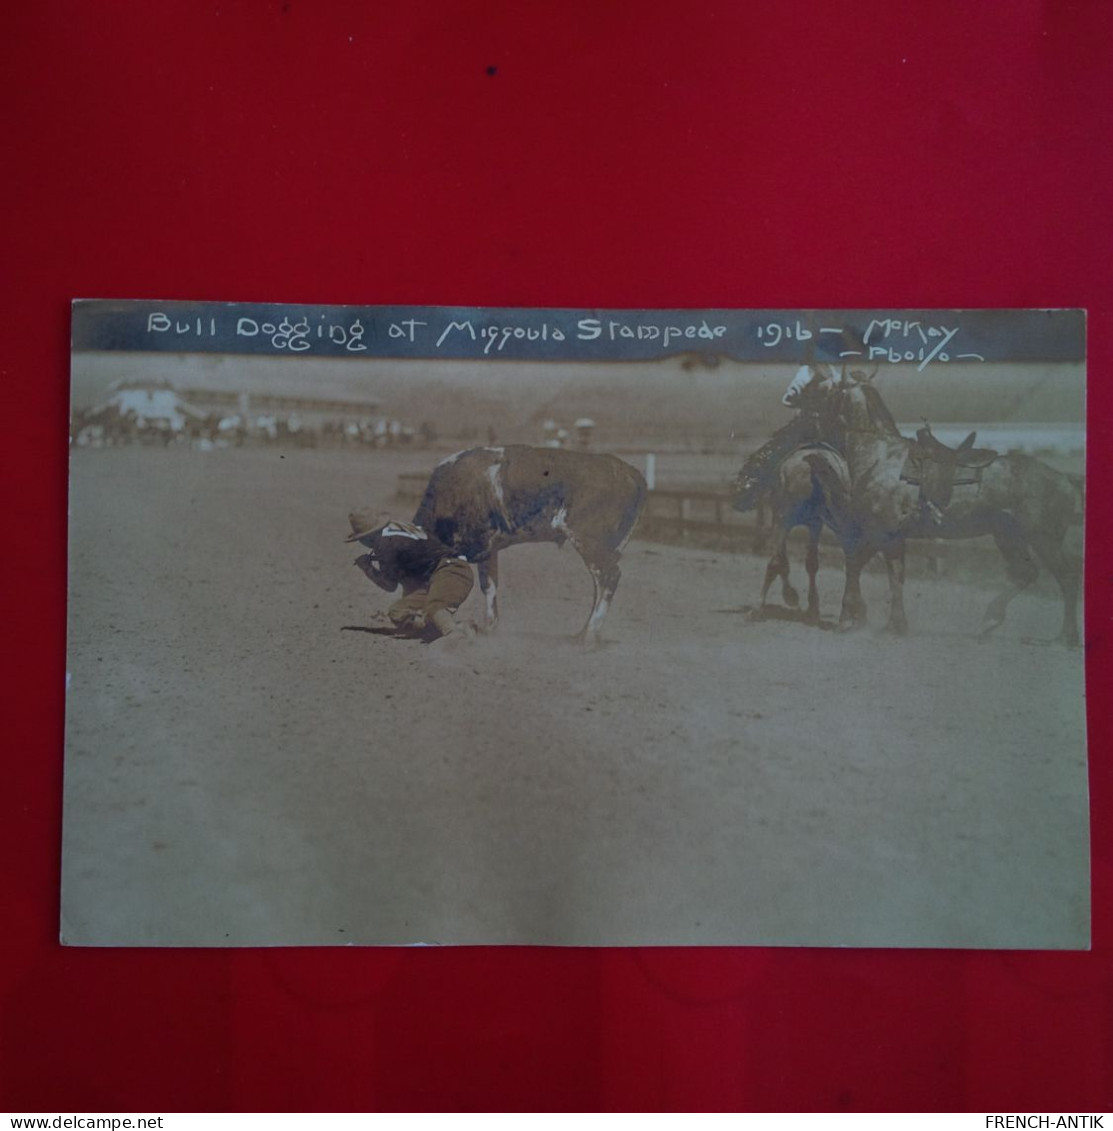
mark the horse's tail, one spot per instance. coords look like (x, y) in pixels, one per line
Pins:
(830, 471)
(1078, 482)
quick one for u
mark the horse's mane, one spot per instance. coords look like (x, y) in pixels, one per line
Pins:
(880, 416)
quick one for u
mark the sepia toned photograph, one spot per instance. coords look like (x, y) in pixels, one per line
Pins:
(451, 626)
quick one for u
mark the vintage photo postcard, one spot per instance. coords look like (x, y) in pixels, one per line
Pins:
(425, 625)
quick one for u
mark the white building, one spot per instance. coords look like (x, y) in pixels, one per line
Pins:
(152, 402)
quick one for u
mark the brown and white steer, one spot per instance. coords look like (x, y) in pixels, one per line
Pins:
(484, 500)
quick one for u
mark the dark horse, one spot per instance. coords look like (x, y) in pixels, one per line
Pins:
(1027, 507)
(802, 480)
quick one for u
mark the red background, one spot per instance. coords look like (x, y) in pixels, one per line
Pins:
(622, 154)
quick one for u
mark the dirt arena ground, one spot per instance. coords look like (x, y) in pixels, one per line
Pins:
(247, 765)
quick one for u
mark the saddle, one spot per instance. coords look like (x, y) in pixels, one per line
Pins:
(937, 469)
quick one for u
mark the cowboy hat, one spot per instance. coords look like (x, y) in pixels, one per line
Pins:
(366, 522)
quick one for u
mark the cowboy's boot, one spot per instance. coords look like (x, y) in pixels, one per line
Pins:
(447, 625)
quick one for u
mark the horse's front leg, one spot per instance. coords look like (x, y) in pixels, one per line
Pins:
(853, 612)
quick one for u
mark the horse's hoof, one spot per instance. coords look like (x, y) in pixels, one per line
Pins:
(755, 613)
(792, 598)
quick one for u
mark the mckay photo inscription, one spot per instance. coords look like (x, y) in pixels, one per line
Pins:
(425, 625)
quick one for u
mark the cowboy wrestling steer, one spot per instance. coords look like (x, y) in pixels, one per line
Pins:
(484, 500)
